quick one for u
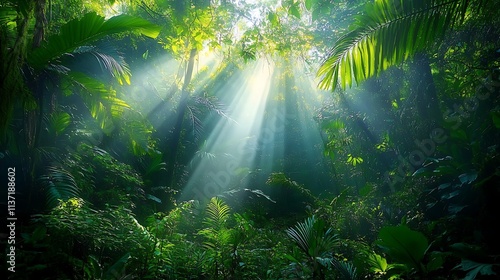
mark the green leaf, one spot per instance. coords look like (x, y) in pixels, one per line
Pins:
(309, 4)
(403, 244)
(89, 28)
(59, 121)
(273, 18)
(294, 10)
(386, 34)
(474, 269)
(377, 263)
(495, 115)
(436, 261)
(312, 237)
(468, 178)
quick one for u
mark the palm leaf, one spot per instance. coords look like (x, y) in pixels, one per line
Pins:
(345, 270)
(8, 15)
(80, 32)
(58, 184)
(59, 121)
(109, 60)
(312, 238)
(387, 33)
(102, 101)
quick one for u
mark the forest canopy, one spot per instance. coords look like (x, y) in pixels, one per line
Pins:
(244, 139)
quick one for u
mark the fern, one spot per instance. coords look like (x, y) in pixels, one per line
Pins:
(217, 213)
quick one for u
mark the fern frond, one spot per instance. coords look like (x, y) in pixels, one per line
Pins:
(217, 213)
(387, 33)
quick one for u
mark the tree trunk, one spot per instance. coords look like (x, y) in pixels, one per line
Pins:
(172, 146)
(423, 86)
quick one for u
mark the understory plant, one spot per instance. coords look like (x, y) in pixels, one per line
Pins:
(316, 242)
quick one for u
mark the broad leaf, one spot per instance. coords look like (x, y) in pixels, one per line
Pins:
(403, 244)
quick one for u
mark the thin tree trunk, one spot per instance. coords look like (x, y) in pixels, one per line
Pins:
(172, 146)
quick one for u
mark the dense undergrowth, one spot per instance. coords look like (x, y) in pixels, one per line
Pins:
(353, 235)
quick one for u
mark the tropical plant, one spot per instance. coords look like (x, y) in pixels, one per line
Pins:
(408, 247)
(386, 34)
(315, 241)
(58, 184)
(345, 270)
(218, 236)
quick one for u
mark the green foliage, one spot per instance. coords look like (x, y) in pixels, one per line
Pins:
(104, 180)
(98, 235)
(217, 213)
(58, 184)
(280, 179)
(313, 238)
(89, 28)
(403, 244)
(315, 241)
(387, 33)
(377, 264)
(345, 270)
(474, 269)
(354, 160)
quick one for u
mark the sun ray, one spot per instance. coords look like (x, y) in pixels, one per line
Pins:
(232, 143)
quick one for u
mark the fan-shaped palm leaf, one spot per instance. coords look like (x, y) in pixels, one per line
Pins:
(345, 270)
(312, 238)
(80, 32)
(107, 57)
(387, 33)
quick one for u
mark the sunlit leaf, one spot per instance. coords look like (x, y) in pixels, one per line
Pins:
(387, 33)
(89, 28)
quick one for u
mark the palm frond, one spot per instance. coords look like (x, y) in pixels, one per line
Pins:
(345, 270)
(89, 28)
(58, 184)
(195, 122)
(387, 33)
(58, 122)
(212, 105)
(312, 237)
(8, 15)
(102, 101)
(107, 57)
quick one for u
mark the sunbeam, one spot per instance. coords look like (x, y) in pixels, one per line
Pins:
(232, 143)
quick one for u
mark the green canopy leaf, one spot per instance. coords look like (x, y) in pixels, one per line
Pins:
(89, 28)
(387, 33)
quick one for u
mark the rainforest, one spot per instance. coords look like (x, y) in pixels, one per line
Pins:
(245, 139)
